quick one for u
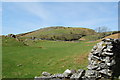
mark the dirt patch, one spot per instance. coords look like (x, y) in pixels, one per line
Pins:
(81, 59)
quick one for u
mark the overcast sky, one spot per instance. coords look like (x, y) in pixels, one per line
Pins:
(20, 17)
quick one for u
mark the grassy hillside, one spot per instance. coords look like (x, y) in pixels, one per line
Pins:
(21, 61)
(97, 36)
(59, 33)
(66, 34)
(8, 41)
(114, 36)
(24, 57)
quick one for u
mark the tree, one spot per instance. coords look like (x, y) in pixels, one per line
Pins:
(102, 29)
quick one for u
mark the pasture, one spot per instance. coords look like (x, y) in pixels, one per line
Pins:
(31, 58)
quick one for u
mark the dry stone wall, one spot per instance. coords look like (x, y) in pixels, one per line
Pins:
(104, 60)
(104, 63)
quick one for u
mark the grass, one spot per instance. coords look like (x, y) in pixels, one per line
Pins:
(97, 36)
(21, 61)
(59, 30)
(59, 33)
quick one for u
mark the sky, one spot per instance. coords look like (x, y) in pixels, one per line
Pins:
(21, 17)
(60, 0)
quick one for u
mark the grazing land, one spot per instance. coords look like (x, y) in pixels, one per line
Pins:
(52, 49)
(27, 61)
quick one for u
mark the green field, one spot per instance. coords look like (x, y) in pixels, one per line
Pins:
(30, 58)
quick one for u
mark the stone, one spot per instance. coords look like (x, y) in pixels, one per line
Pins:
(95, 47)
(80, 71)
(95, 53)
(108, 43)
(98, 50)
(90, 56)
(11, 35)
(67, 72)
(117, 40)
(111, 63)
(107, 50)
(107, 59)
(102, 65)
(43, 78)
(78, 75)
(19, 65)
(96, 57)
(109, 47)
(90, 78)
(92, 74)
(106, 72)
(92, 50)
(58, 76)
(46, 74)
(73, 71)
(107, 53)
(92, 67)
(108, 40)
(119, 77)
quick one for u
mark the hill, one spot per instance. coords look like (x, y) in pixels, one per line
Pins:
(114, 36)
(99, 36)
(58, 33)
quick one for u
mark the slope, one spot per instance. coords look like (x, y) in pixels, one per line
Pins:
(59, 33)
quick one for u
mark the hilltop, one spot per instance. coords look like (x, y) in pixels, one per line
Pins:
(58, 33)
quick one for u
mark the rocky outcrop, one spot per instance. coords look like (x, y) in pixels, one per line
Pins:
(104, 63)
(12, 35)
